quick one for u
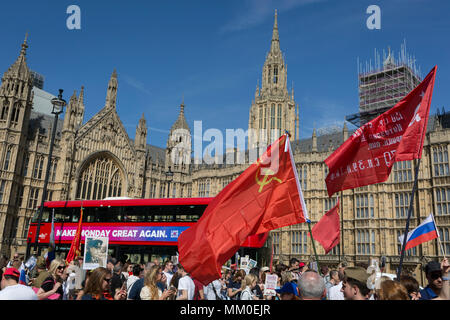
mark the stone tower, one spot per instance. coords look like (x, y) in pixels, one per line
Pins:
(15, 108)
(273, 109)
(178, 151)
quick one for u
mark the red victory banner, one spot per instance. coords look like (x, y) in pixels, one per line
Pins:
(327, 230)
(264, 197)
(75, 247)
(368, 155)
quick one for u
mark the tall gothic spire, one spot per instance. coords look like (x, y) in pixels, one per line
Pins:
(275, 45)
(111, 95)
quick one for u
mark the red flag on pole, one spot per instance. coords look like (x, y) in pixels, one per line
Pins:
(368, 155)
(264, 197)
(75, 247)
(327, 230)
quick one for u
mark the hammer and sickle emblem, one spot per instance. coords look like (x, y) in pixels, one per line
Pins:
(266, 179)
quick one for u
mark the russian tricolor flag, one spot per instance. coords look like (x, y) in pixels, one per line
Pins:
(426, 231)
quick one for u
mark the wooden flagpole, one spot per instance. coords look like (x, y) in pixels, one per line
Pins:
(405, 235)
(314, 246)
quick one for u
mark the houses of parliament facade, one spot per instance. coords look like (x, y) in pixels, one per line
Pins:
(95, 159)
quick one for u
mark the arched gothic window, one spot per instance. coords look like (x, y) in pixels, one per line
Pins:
(100, 178)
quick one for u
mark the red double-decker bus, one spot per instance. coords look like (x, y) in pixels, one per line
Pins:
(141, 229)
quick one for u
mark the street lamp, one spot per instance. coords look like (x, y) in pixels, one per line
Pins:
(169, 175)
(58, 105)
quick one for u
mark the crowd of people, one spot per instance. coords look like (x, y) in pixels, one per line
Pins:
(123, 280)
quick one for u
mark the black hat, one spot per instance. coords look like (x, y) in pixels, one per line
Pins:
(432, 266)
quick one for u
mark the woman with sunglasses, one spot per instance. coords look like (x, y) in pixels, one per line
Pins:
(51, 287)
(98, 287)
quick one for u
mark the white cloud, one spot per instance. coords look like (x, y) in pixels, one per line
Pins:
(133, 82)
(257, 11)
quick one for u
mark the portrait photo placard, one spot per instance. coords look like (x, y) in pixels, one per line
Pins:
(95, 252)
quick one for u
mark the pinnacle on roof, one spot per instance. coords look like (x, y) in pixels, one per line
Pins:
(275, 45)
(19, 67)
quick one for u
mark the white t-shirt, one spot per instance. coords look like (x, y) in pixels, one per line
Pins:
(247, 294)
(169, 278)
(186, 283)
(18, 292)
(335, 292)
(209, 290)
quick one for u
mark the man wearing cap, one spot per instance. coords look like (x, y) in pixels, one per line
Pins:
(288, 291)
(435, 279)
(42, 272)
(12, 290)
(354, 286)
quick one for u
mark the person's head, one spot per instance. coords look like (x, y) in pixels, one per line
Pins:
(280, 268)
(354, 285)
(15, 256)
(324, 270)
(255, 271)
(78, 261)
(433, 273)
(56, 268)
(334, 276)
(249, 281)
(293, 263)
(10, 278)
(288, 291)
(181, 271)
(40, 263)
(168, 266)
(137, 270)
(286, 276)
(311, 286)
(99, 281)
(239, 275)
(152, 278)
(110, 264)
(411, 285)
(392, 290)
(117, 269)
(342, 267)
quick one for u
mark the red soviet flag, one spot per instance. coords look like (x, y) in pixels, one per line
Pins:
(264, 197)
(368, 155)
(75, 247)
(327, 230)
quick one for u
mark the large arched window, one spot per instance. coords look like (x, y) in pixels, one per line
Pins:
(100, 178)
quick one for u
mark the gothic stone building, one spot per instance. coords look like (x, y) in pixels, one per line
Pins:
(97, 159)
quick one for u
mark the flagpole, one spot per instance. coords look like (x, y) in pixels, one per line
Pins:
(405, 235)
(308, 222)
(438, 237)
(341, 217)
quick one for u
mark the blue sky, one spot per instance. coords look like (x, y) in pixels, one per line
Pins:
(212, 53)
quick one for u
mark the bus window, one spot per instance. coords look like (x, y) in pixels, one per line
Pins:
(134, 214)
(45, 216)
